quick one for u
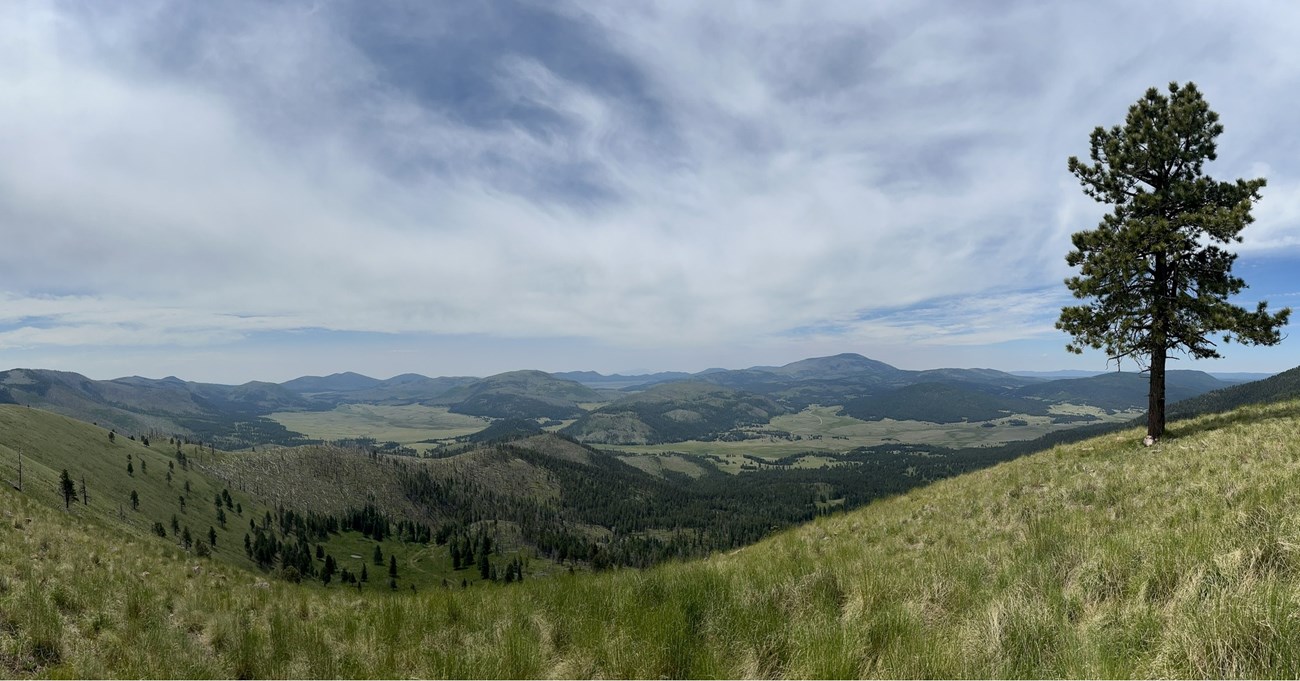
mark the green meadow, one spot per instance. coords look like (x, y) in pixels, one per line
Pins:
(411, 425)
(820, 428)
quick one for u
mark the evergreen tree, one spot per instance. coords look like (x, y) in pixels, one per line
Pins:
(212, 536)
(69, 490)
(484, 565)
(365, 574)
(328, 571)
(379, 555)
(221, 517)
(1154, 272)
(135, 501)
(392, 566)
(176, 524)
(186, 539)
(130, 470)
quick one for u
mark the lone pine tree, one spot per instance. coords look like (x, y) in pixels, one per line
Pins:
(1154, 273)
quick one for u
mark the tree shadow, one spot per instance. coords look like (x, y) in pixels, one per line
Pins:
(1195, 425)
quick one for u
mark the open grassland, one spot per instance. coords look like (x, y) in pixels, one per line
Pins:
(1097, 559)
(694, 465)
(409, 425)
(163, 489)
(816, 428)
(660, 464)
(819, 428)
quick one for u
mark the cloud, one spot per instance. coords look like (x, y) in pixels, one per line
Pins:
(969, 320)
(643, 176)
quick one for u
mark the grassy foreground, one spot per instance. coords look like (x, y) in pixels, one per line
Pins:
(1098, 559)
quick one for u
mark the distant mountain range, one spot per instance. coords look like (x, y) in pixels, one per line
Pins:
(1230, 376)
(659, 407)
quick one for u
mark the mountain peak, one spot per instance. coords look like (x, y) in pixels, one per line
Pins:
(340, 382)
(836, 366)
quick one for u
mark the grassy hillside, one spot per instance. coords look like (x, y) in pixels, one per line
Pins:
(183, 488)
(1098, 559)
(51, 443)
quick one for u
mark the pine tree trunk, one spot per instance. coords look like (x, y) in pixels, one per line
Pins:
(1156, 396)
(1162, 314)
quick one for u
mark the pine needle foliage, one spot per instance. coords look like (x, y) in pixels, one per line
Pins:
(1155, 272)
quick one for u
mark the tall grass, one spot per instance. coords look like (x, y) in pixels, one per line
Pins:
(1099, 559)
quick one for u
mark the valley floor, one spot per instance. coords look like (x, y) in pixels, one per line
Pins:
(815, 429)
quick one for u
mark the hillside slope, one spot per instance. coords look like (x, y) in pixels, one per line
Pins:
(229, 415)
(673, 412)
(225, 501)
(940, 403)
(1283, 386)
(521, 394)
(1118, 391)
(1098, 559)
(350, 388)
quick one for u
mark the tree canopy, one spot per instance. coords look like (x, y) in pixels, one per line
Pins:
(1155, 275)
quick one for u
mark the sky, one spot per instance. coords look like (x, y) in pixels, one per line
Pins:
(261, 190)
